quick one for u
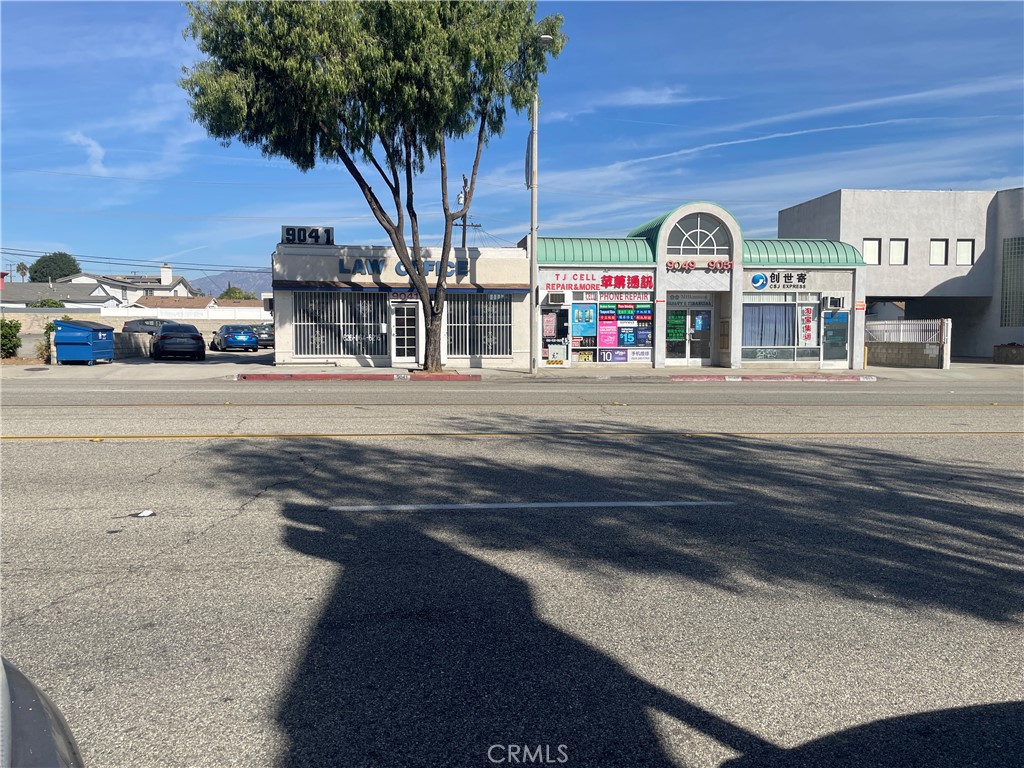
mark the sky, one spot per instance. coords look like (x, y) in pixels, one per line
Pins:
(753, 106)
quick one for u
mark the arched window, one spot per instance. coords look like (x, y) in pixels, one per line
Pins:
(699, 234)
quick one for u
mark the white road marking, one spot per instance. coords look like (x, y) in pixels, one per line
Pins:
(526, 505)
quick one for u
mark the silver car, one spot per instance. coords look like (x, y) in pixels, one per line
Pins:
(33, 732)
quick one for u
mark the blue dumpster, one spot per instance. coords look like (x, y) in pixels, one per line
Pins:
(83, 341)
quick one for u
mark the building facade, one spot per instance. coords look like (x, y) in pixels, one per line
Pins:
(354, 305)
(684, 289)
(957, 255)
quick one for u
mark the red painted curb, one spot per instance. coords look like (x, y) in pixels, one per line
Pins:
(316, 376)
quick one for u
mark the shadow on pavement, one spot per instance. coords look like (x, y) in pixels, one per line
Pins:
(988, 735)
(426, 655)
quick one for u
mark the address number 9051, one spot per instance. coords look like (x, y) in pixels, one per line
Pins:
(307, 235)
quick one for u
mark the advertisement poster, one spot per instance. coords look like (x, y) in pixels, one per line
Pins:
(607, 326)
(584, 320)
(623, 328)
(808, 326)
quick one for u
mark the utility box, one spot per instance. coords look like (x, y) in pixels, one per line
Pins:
(83, 341)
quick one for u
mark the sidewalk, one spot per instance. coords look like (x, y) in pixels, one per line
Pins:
(260, 368)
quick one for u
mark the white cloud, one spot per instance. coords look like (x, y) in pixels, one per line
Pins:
(629, 97)
(985, 86)
(94, 152)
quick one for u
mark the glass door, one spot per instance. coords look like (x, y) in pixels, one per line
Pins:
(688, 337)
(404, 333)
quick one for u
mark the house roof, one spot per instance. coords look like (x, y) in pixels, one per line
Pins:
(28, 293)
(175, 302)
(240, 303)
(132, 281)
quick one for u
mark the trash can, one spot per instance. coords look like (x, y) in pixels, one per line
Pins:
(83, 341)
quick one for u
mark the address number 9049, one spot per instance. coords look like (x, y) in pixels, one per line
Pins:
(307, 235)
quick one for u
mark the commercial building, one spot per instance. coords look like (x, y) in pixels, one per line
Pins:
(957, 255)
(683, 289)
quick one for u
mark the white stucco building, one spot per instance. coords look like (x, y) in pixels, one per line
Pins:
(957, 255)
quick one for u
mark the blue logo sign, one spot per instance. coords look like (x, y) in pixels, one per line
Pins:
(759, 281)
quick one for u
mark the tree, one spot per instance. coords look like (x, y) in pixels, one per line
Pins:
(380, 87)
(47, 304)
(22, 270)
(53, 266)
(234, 292)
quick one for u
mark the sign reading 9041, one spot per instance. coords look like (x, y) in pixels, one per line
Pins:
(307, 235)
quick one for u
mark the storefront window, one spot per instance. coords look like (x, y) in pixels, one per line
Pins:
(329, 324)
(480, 325)
(769, 325)
(781, 326)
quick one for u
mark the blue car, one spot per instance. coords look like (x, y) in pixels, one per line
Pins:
(235, 337)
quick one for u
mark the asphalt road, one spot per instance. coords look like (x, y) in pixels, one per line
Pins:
(583, 573)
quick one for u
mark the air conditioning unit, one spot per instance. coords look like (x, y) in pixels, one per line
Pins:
(833, 302)
(555, 298)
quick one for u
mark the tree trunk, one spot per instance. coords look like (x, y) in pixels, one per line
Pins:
(432, 353)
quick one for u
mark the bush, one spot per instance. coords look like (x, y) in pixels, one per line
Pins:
(43, 347)
(10, 337)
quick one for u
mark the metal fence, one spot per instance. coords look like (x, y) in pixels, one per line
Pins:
(328, 324)
(924, 331)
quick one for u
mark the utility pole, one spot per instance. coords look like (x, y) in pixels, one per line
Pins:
(462, 201)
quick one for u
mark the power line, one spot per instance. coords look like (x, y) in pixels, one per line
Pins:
(184, 266)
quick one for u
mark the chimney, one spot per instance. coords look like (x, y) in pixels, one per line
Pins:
(165, 274)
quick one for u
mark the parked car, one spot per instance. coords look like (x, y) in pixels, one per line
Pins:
(32, 729)
(148, 325)
(265, 334)
(177, 339)
(235, 337)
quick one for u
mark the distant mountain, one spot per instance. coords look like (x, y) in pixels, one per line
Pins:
(215, 285)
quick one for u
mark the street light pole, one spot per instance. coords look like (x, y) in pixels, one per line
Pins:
(533, 238)
(534, 345)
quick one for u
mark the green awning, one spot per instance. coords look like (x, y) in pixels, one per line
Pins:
(800, 253)
(594, 250)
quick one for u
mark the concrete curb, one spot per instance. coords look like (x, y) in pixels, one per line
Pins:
(769, 377)
(413, 376)
(356, 377)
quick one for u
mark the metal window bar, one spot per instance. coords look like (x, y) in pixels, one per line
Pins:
(927, 331)
(480, 325)
(340, 324)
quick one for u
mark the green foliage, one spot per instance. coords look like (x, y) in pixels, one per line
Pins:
(48, 303)
(382, 84)
(22, 270)
(53, 266)
(303, 80)
(234, 292)
(10, 337)
(43, 347)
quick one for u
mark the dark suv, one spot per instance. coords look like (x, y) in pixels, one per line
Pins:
(148, 325)
(265, 333)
